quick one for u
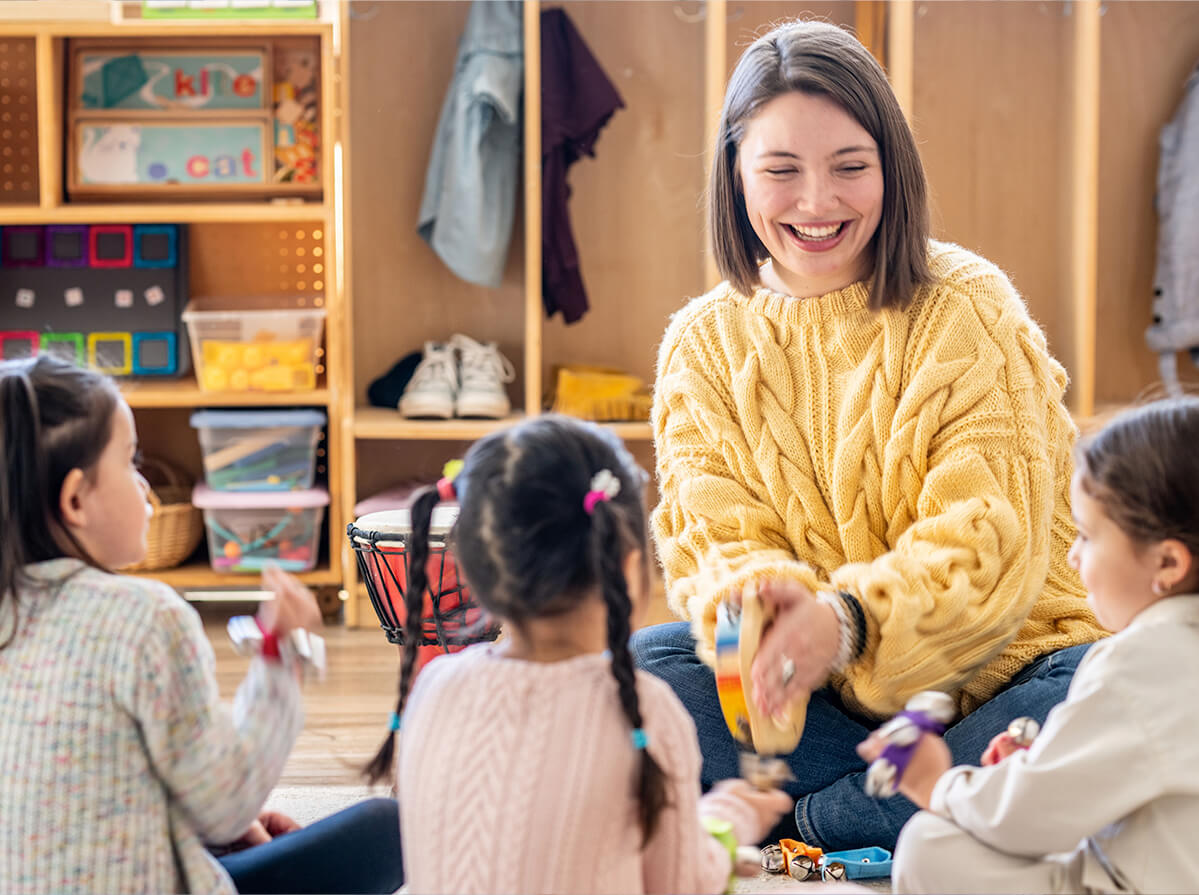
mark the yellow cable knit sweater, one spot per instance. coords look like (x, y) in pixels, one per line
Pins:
(919, 459)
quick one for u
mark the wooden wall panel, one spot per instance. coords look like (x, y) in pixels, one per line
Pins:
(1148, 50)
(991, 115)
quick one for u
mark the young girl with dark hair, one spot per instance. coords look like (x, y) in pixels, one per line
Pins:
(121, 766)
(544, 762)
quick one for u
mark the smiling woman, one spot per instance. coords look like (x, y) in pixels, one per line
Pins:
(862, 431)
(813, 186)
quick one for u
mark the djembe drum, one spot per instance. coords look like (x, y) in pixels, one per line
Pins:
(450, 619)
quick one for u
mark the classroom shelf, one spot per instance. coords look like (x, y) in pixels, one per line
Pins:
(202, 575)
(165, 28)
(287, 211)
(147, 393)
(382, 423)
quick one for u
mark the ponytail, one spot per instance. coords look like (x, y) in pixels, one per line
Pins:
(414, 602)
(609, 550)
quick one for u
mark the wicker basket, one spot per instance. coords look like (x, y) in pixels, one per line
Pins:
(176, 526)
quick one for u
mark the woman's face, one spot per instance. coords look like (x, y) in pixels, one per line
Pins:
(813, 185)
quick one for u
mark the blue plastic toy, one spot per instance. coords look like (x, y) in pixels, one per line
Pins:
(859, 863)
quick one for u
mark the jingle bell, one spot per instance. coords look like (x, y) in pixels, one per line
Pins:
(833, 871)
(1023, 731)
(802, 868)
(772, 858)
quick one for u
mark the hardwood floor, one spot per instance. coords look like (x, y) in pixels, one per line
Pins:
(347, 713)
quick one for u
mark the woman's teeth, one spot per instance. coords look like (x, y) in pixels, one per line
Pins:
(816, 234)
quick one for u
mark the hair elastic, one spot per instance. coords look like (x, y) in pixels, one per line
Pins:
(445, 489)
(640, 738)
(394, 722)
(604, 486)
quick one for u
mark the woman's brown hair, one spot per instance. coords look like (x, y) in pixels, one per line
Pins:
(822, 60)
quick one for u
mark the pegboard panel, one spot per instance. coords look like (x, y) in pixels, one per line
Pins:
(285, 260)
(18, 122)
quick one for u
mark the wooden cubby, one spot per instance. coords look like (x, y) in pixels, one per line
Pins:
(236, 246)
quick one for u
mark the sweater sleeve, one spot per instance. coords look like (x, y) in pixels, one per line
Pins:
(981, 427)
(714, 532)
(219, 767)
(681, 856)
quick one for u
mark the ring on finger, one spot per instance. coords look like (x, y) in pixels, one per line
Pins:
(788, 669)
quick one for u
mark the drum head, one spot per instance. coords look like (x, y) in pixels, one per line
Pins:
(399, 522)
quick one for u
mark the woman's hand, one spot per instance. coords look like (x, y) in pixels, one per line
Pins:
(728, 799)
(929, 761)
(804, 631)
(294, 605)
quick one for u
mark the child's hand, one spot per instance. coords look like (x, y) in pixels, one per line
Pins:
(294, 605)
(753, 812)
(1001, 746)
(929, 761)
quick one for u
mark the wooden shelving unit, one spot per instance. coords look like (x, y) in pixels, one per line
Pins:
(143, 394)
(283, 247)
(94, 213)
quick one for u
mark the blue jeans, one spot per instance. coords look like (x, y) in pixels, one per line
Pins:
(832, 810)
(354, 850)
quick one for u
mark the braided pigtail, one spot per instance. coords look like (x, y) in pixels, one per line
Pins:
(609, 549)
(414, 600)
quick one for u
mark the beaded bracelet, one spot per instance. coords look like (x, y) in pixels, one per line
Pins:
(859, 616)
(850, 639)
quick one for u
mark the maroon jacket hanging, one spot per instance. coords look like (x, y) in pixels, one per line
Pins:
(577, 99)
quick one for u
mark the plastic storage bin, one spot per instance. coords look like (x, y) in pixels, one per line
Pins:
(259, 450)
(252, 344)
(247, 529)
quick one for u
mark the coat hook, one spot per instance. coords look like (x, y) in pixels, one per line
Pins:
(691, 18)
(701, 13)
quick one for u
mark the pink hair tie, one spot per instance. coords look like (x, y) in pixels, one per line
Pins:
(604, 486)
(445, 489)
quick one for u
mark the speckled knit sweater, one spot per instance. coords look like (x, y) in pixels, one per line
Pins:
(119, 761)
(919, 459)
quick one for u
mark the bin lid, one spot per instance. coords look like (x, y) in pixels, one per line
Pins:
(207, 499)
(255, 419)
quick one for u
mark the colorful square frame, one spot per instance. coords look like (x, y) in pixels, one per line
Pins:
(93, 242)
(65, 346)
(141, 231)
(144, 341)
(35, 257)
(110, 353)
(11, 341)
(54, 260)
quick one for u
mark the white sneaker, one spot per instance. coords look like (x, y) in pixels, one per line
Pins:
(433, 388)
(483, 371)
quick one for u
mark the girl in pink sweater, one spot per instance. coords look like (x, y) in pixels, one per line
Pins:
(544, 762)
